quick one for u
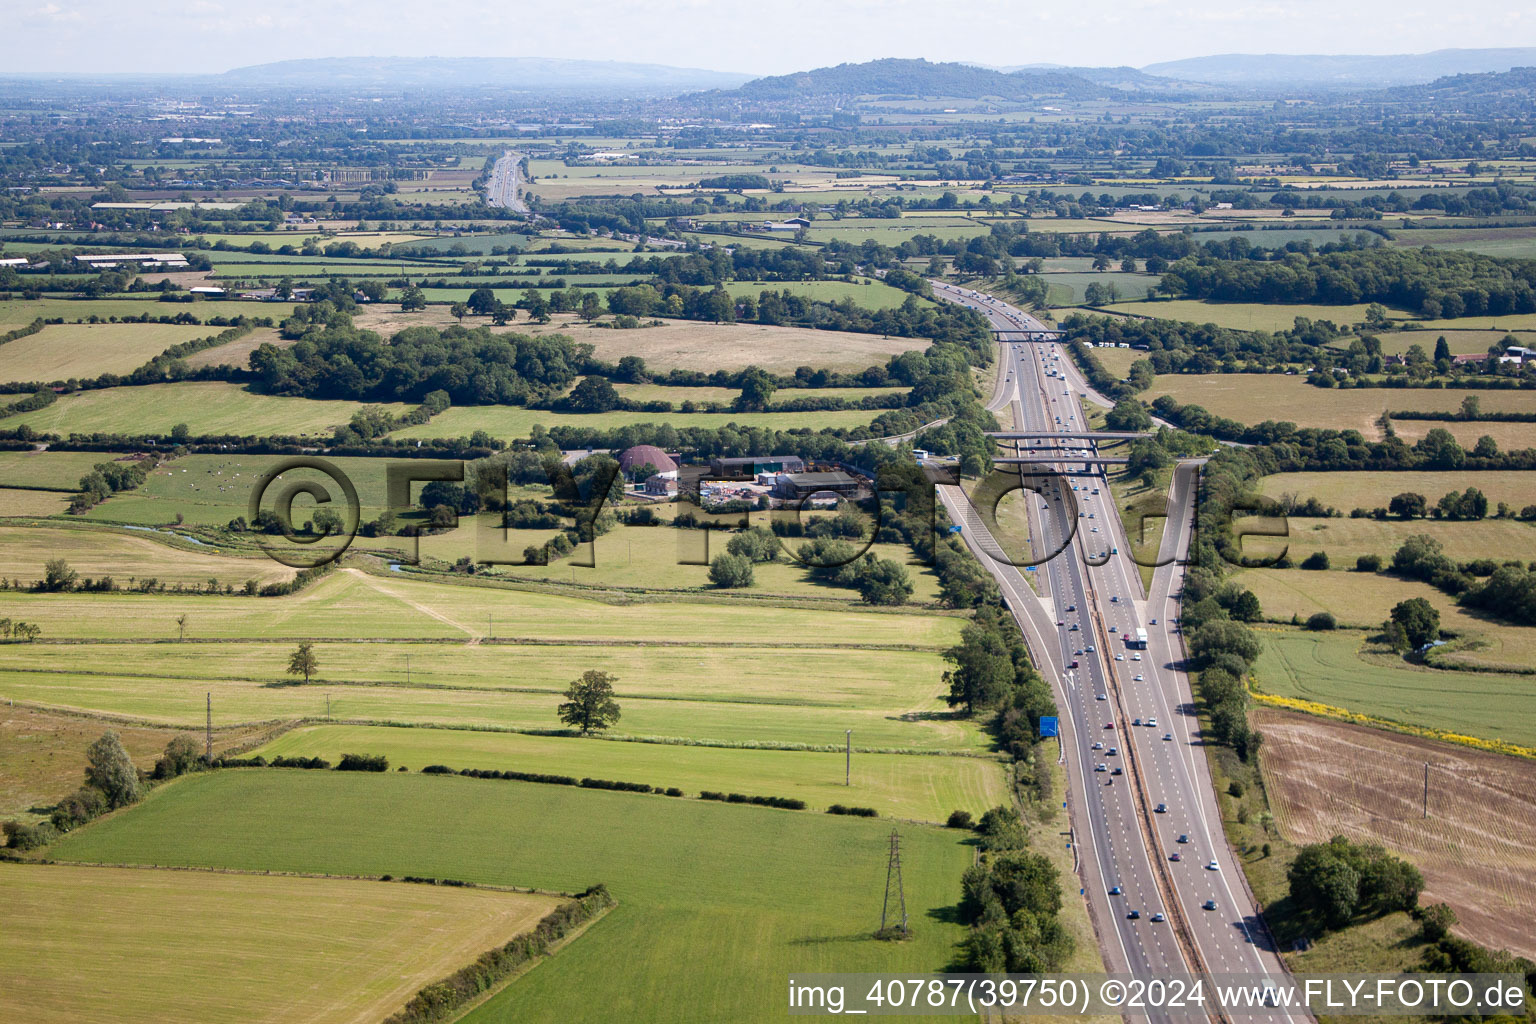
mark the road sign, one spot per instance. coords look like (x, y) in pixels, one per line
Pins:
(1048, 727)
(954, 529)
(1029, 568)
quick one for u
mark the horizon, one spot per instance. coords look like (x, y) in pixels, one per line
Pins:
(90, 37)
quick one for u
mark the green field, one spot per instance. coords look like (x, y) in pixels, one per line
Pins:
(678, 395)
(65, 351)
(1364, 600)
(510, 422)
(48, 471)
(349, 604)
(1328, 668)
(1370, 490)
(1256, 397)
(124, 556)
(765, 892)
(206, 407)
(1344, 540)
(908, 786)
(865, 292)
(19, 312)
(1460, 342)
(1245, 316)
(140, 947)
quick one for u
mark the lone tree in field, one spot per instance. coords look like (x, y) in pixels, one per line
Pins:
(589, 702)
(181, 626)
(110, 769)
(303, 662)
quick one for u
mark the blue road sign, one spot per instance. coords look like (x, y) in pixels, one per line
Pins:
(955, 528)
(1047, 727)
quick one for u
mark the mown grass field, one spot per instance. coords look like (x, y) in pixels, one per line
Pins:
(207, 407)
(1369, 490)
(765, 892)
(678, 395)
(19, 312)
(1256, 397)
(1117, 360)
(786, 695)
(863, 291)
(63, 351)
(49, 471)
(1244, 316)
(20, 502)
(238, 352)
(1509, 436)
(691, 345)
(131, 945)
(906, 786)
(1364, 600)
(1462, 342)
(1329, 668)
(96, 553)
(1344, 540)
(351, 605)
(511, 422)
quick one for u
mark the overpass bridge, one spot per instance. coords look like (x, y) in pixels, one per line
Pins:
(1049, 435)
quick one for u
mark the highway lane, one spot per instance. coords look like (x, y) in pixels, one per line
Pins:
(1149, 686)
(501, 189)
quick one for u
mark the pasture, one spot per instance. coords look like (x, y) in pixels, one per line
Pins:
(1243, 316)
(1464, 342)
(1329, 668)
(349, 604)
(1471, 847)
(691, 345)
(1256, 397)
(1344, 540)
(513, 422)
(28, 503)
(65, 351)
(133, 945)
(20, 312)
(238, 352)
(126, 556)
(207, 407)
(1370, 490)
(784, 695)
(768, 892)
(908, 786)
(1508, 435)
(48, 471)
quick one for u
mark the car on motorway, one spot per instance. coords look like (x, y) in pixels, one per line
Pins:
(1152, 723)
(1109, 725)
(1117, 771)
(1115, 599)
(1113, 752)
(1159, 916)
(1089, 648)
(1183, 838)
(1116, 891)
(1136, 722)
(1101, 767)
(1140, 678)
(1135, 657)
(1073, 628)
(1060, 622)
(1213, 866)
(1176, 856)
(1161, 809)
(1133, 915)
(1167, 735)
(1098, 745)
(1154, 622)
(1119, 657)
(1074, 663)
(1209, 905)
(1102, 697)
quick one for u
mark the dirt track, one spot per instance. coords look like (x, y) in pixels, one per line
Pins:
(1477, 847)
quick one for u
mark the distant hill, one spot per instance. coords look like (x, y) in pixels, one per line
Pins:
(536, 74)
(1126, 79)
(1481, 93)
(893, 77)
(1341, 71)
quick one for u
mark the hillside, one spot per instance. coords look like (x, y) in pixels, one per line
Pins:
(1341, 70)
(537, 74)
(917, 78)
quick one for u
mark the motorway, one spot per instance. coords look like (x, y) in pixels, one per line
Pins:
(501, 189)
(1085, 603)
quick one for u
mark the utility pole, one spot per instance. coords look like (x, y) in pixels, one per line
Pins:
(848, 759)
(407, 670)
(1426, 789)
(488, 633)
(208, 750)
(327, 707)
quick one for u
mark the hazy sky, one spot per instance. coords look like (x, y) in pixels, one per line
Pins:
(758, 36)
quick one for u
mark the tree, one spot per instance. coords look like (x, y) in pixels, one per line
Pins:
(591, 307)
(1419, 619)
(181, 756)
(181, 625)
(589, 702)
(757, 389)
(1322, 881)
(1408, 505)
(459, 311)
(983, 669)
(883, 581)
(1320, 621)
(593, 394)
(482, 302)
(730, 571)
(412, 300)
(1245, 608)
(303, 661)
(1128, 414)
(109, 769)
(1316, 560)
(57, 575)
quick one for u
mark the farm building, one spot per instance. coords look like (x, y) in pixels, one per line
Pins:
(795, 486)
(631, 460)
(145, 260)
(659, 486)
(752, 465)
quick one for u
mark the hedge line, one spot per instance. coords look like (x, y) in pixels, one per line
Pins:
(443, 999)
(22, 332)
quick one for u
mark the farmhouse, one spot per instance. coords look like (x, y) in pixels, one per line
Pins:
(795, 486)
(659, 486)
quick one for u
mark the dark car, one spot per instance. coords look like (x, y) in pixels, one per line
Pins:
(1161, 808)
(1116, 891)
(1176, 856)
(1209, 904)
(1133, 915)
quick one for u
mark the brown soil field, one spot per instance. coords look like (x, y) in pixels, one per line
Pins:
(1475, 848)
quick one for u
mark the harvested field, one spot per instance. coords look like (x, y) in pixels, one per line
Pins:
(134, 945)
(62, 351)
(237, 352)
(1329, 778)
